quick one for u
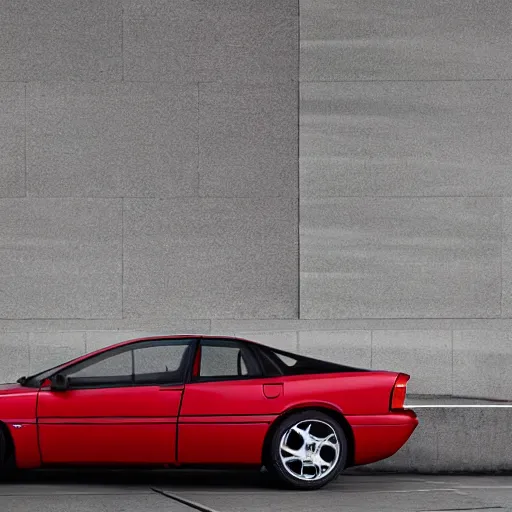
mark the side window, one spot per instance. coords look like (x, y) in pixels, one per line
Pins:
(119, 365)
(225, 359)
(150, 362)
(160, 363)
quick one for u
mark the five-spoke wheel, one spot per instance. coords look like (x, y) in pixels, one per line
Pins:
(308, 450)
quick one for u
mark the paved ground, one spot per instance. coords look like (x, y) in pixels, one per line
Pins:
(239, 492)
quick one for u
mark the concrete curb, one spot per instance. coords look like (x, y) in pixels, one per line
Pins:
(455, 438)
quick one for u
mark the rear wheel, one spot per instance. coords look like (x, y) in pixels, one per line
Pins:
(308, 450)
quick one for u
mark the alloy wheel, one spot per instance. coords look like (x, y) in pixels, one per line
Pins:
(309, 450)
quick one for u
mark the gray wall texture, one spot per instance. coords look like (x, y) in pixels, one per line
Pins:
(328, 176)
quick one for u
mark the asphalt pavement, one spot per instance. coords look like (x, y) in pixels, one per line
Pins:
(222, 491)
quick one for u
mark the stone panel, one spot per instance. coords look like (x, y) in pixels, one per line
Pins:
(144, 8)
(406, 139)
(211, 258)
(400, 258)
(207, 41)
(96, 340)
(506, 301)
(405, 40)
(61, 40)
(280, 340)
(425, 355)
(112, 140)
(169, 325)
(61, 258)
(12, 139)
(53, 348)
(352, 348)
(248, 138)
(14, 359)
(352, 324)
(481, 364)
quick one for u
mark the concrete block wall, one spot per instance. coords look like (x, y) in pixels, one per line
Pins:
(329, 176)
(405, 184)
(453, 440)
(149, 160)
(442, 361)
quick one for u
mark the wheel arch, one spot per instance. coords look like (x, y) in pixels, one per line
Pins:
(328, 409)
(10, 448)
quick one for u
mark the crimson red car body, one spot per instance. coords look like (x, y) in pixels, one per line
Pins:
(182, 418)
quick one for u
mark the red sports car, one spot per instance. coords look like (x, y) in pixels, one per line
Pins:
(195, 400)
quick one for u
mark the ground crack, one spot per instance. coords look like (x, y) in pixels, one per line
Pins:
(460, 509)
(183, 501)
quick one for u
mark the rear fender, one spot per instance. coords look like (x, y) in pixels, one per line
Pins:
(349, 393)
(310, 404)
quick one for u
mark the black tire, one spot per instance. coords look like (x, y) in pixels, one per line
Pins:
(3, 448)
(3, 453)
(7, 464)
(275, 465)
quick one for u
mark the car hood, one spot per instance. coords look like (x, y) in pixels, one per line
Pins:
(17, 403)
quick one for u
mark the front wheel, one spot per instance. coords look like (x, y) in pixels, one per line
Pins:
(308, 450)
(7, 463)
(3, 454)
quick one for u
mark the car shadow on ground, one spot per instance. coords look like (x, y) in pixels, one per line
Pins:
(147, 478)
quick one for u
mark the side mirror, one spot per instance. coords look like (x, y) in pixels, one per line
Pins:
(59, 382)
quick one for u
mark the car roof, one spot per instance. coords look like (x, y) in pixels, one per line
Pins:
(316, 368)
(170, 337)
(181, 336)
(134, 341)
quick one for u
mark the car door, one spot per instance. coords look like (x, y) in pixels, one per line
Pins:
(120, 406)
(227, 407)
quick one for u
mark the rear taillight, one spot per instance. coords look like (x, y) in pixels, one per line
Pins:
(399, 391)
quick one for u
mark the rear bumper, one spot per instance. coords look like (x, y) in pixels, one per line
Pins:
(380, 436)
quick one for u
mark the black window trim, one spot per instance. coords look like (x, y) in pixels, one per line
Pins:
(244, 347)
(267, 359)
(316, 366)
(137, 345)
